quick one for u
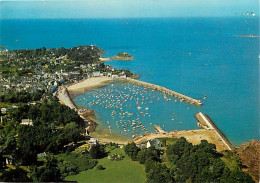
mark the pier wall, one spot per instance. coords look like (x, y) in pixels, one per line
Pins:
(206, 122)
(166, 91)
(159, 129)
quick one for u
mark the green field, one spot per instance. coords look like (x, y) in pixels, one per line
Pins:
(122, 171)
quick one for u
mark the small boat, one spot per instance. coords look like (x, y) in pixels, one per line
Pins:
(205, 97)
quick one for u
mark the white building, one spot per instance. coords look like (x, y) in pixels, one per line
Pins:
(96, 74)
(115, 76)
(123, 76)
(93, 141)
(109, 74)
(27, 122)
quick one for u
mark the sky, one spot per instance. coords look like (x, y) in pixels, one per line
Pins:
(25, 9)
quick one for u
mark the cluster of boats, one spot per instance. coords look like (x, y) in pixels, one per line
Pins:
(128, 105)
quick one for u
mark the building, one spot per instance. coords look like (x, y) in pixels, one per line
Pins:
(93, 141)
(123, 76)
(41, 155)
(96, 73)
(154, 142)
(109, 74)
(115, 76)
(4, 110)
(27, 122)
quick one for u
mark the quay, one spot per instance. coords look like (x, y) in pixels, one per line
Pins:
(205, 122)
(166, 91)
(159, 129)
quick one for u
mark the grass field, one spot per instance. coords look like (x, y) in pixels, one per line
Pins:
(123, 171)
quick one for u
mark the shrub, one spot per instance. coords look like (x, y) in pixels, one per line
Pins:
(100, 167)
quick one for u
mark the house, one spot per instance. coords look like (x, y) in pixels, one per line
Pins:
(154, 142)
(4, 110)
(114, 76)
(9, 160)
(109, 74)
(93, 141)
(123, 76)
(27, 122)
(96, 73)
(41, 155)
(83, 66)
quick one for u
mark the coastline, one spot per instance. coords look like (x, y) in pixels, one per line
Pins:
(89, 84)
(95, 127)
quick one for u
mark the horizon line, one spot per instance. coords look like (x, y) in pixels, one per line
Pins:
(32, 18)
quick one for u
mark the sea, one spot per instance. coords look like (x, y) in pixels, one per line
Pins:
(193, 56)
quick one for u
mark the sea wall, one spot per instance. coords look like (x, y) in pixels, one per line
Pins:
(207, 123)
(167, 91)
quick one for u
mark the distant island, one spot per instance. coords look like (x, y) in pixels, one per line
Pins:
(119, 56)
(247, 35)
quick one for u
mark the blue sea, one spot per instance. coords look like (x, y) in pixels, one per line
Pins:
(193, 56)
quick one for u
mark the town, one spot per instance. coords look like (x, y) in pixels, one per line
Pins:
(46, 69)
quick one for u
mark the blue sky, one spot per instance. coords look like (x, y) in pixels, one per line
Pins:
(11, 9)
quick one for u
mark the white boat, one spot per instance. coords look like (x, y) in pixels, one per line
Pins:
(139, 107)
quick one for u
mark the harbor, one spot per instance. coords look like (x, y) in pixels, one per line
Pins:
(128, 109)
(130, 105)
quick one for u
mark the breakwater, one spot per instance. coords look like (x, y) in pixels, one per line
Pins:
(207, 123)
(159, 129)
(166, 91)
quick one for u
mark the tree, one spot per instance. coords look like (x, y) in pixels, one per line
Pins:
(48, 173)
(100, 167)
(239, 176)
(71, 132)
(14, 175)
(160, 173)
(150, 153)
(132, 151)
(68, 168)
(97, 151)
(149, 164)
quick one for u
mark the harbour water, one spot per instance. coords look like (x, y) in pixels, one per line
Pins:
(193, 56)
(131, 110)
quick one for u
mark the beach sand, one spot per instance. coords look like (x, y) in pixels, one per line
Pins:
(105, 137)
(193, 136)
(90, 84)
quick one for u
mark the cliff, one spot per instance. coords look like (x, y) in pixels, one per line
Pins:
(249, 153)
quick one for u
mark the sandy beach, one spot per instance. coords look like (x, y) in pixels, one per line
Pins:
(193, 136)
(90, 84)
